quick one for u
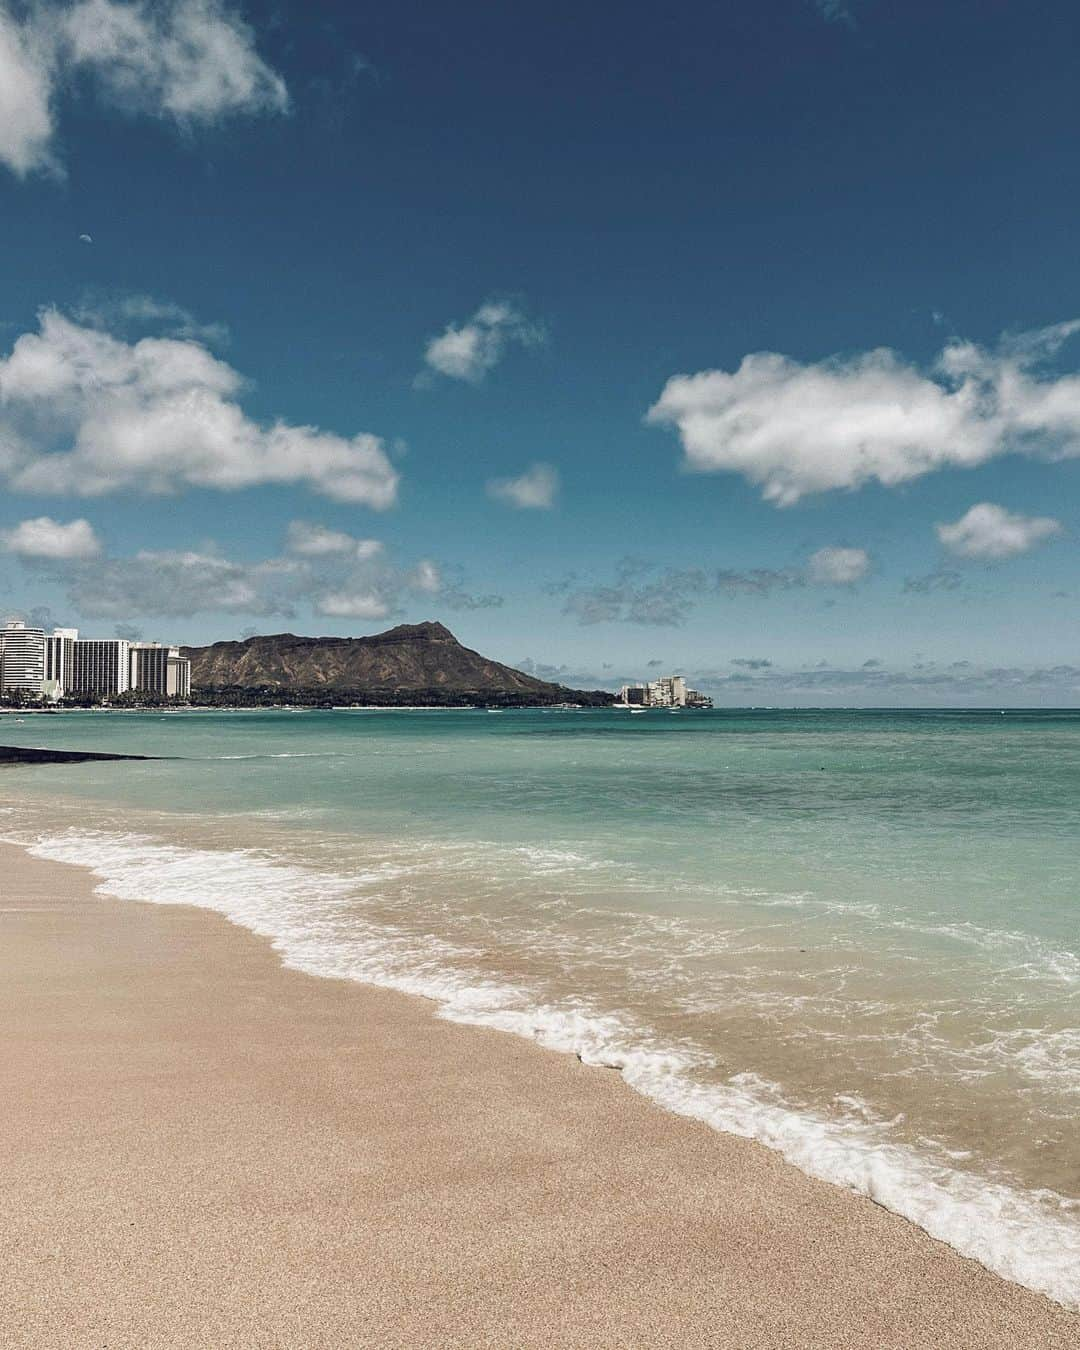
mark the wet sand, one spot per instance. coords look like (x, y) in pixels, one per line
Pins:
(199, 1148)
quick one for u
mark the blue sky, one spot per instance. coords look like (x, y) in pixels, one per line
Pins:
(733, 337)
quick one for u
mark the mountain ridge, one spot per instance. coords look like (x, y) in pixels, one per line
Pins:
(420, 663)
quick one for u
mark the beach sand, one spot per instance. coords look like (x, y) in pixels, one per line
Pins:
(203, 1149)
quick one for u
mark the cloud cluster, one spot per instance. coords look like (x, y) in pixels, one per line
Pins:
(131, 310)
(942, 579)
(451, 594)
(469, 350)
(364, 589)
(180, 583)
(990, 533)
(192, 61)
(796, 428)
(534, 490)
(26, 124)
(838, 566)
(334, 573)
(758, 580)
(635, 596)
(353, 605)
(925, 683)
(85, 413)
(44, 537)
(639, 594)
(317, 541)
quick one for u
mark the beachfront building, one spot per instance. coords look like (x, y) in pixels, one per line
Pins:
(157, 669)
(669, 691)
(59, 659)
(101, 666)
(22, 658)
(634, 695)
(179, 676)
(53, 664)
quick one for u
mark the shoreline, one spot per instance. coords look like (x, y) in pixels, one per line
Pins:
(288, 1159)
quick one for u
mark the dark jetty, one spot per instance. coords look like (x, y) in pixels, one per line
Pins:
(20, 754)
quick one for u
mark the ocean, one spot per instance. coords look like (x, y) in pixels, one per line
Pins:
(853, 936)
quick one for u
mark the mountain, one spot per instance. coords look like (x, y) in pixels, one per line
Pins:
(420, 663)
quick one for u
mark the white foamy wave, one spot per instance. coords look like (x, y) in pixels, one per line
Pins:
(282, 754)
(1042, 1057)
(551, 861)
(1027, 955)
(306, 754)
(1023, 955)
(1054, 1057)
(312, 919)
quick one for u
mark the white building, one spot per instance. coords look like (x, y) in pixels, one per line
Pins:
(156, 669)
(669, 691)
(59, 660)
(100, 666)
(22, 658)
(57, 663)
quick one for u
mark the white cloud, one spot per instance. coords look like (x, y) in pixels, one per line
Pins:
(26, 125)
(535, 489)
(990, 533)
(359, 605)
(426, 577)
(837, 566)
(377, 590)
(47, 538)
(193, 61)
(317, 541)
(468, 351)
(799, 428)
(85, 413)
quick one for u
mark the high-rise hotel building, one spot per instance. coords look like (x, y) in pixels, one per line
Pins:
(50, 665)
(160, 670)
(101, 666)
(60, 658)
(22, 657)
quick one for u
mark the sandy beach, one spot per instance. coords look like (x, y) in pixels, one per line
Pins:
(201, 1148)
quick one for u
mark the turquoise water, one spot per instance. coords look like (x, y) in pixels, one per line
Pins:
(852, 935)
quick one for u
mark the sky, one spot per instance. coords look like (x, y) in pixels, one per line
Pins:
(735, 338)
